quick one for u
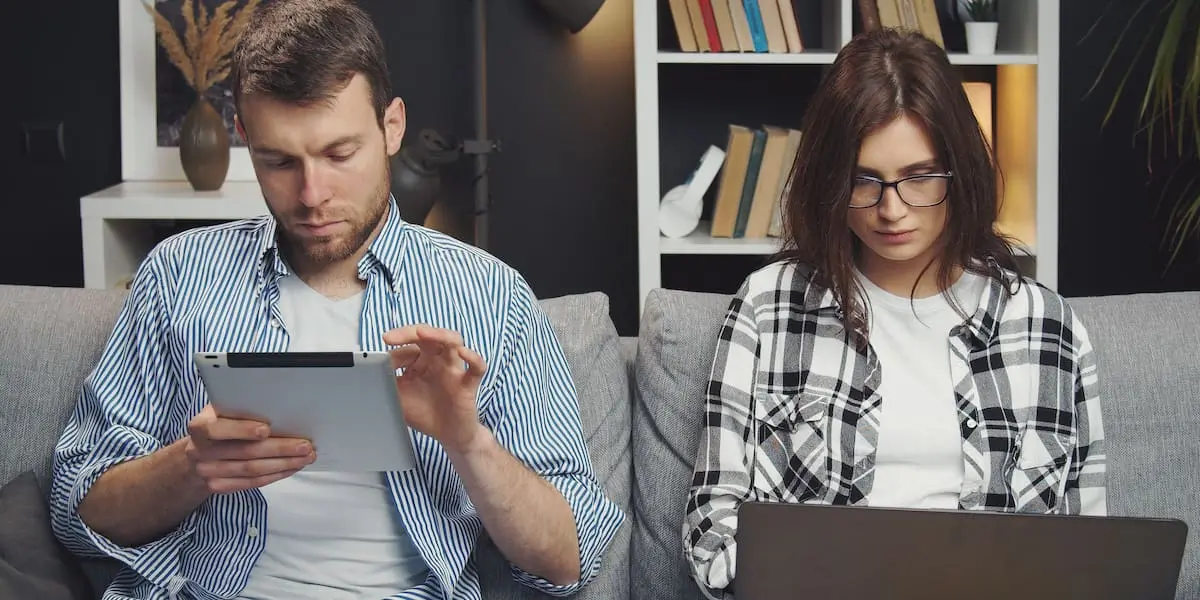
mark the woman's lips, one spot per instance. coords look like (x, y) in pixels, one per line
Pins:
(896, 237)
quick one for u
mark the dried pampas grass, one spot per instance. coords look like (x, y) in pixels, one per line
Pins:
(204, 52)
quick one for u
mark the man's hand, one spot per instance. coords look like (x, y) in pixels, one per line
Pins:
(528, 519)
(229, 455)
(437, 391)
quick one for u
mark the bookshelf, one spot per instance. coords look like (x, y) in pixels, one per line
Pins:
(686, 100)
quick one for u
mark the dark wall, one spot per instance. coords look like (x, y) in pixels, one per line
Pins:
(65, 73)
(1111, 227)
(564, 185)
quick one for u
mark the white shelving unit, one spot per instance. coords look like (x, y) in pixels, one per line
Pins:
(1026, 131)
(117, 222)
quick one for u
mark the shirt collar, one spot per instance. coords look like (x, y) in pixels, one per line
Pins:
(385, 252)
(983, 325)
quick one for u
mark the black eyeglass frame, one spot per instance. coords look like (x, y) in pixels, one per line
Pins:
(884, 185)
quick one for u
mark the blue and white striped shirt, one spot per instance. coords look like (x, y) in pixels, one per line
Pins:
(214, 289)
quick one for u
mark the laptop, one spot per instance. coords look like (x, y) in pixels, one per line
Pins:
(859, 553)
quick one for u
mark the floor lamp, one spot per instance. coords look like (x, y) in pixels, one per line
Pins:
(416, 172)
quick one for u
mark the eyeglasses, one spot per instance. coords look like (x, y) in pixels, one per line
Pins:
(918, 191)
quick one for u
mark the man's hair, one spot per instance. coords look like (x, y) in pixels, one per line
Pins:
(876, 78)
(306, 51)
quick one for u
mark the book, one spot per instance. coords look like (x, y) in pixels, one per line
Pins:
(753, 168)
(741, 26)
(791, 149)
(791, 26)
(766, 191)
(731, 181)
(683, 25)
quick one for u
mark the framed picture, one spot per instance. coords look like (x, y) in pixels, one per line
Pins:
(155, 97)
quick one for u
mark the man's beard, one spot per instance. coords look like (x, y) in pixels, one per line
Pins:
(324, 251)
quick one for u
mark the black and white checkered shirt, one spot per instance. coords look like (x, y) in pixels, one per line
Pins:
(792, 410)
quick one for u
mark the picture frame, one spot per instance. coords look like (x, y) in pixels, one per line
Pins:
(142, 156)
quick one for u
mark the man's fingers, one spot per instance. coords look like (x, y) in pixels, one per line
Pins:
(476, 366)
(432, 339)
(402, 336)
(237, 484)
(250, 469)
(404, 356)
(441, 336)
(225, 429)
(277, 447)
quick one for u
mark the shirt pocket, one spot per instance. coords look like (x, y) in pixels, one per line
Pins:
(791, 451)
(1042, 469)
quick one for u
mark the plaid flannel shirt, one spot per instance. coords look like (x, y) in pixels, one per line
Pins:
(792, 410)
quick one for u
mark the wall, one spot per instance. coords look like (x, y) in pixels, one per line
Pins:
(563, 186)
(65, 66)
(1110, 228)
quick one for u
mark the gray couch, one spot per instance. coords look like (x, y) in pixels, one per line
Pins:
(640, 400)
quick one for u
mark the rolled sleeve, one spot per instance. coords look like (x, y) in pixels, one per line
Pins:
(118, 418)
(541, 427)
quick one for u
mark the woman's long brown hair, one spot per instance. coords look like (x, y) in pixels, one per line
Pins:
(877, 77)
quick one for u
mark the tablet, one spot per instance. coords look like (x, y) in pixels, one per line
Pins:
(345, 402)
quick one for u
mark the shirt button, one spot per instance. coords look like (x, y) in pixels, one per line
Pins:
(252, 531)
(275, 323)
(971, 423)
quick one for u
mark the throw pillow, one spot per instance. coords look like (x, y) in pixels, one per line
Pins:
(33, 564)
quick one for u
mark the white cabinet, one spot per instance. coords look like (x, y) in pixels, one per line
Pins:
(119, 222)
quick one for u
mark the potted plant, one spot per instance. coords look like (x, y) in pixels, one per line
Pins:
(1170, 100)
(981, 26)
(202, 55)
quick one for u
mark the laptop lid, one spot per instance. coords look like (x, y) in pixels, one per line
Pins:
(856, 553)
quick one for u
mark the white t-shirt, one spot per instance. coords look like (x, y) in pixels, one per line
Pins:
(919, 461)
(333, 536)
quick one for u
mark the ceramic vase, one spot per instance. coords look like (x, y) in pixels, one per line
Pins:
(204, 147)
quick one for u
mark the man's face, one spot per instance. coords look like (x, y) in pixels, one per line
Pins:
(324, 170)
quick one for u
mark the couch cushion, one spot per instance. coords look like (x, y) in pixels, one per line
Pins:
(1146, 348)
(32, 562)
(677, 336)
(593, 351)
(50, 339)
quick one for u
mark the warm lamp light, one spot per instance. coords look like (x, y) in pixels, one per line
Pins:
(572, 14)
(1016, 151)
(979, 94)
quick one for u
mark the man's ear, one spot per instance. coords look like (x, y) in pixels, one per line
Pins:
(241, 131)
(394, 122)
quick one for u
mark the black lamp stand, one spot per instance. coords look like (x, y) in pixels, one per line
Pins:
(416, 180)
(481, 146)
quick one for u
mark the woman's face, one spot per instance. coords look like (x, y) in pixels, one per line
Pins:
(895, 235)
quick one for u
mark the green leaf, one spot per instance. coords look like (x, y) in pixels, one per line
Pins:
(1174, 70)
(1159, 97)
(1186, 221)
(1191, 91)
(1108, 61)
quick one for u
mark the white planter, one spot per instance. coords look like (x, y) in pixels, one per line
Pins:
(981, 37)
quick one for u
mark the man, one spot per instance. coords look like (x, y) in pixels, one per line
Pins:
(197, 505)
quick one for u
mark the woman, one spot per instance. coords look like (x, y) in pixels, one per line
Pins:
(892, 355)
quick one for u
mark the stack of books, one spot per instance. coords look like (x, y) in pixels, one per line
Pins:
(753, 179)
(766, 26)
